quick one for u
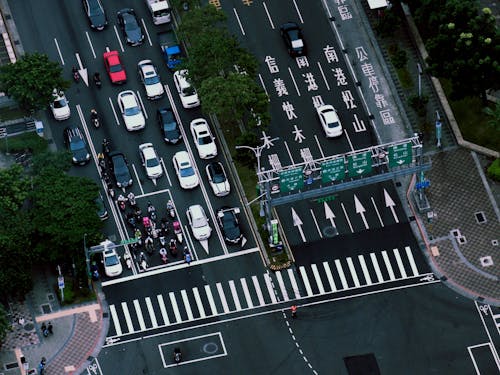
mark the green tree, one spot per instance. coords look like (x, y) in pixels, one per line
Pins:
(4, 323)
(493, 116)
(200, 20)
(60, 161)
(31, 79)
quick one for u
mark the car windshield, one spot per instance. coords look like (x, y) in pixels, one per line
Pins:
(229, 222)
(94, 8)
(199, 222)
(130, 22)
(219, 178)
(77, 144)
(187, 171)
(115, 68)
(112, 260)
(188, 90)
(170, 126)
(152, 79)
(132, 111)
(61, 103)
(150, 163)
(205, 140)
(294, 34)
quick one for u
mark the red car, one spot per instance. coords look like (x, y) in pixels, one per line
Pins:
(114, 67)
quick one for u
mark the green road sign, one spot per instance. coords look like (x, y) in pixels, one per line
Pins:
(129, 241)
(292, 179)
(332, 170)
(400, 154)
(360, 164)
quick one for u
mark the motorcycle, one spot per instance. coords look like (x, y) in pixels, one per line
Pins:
(128, 260)
(151, 211)
(131, 199)
(94, 117)
(142, 261)
(76, 76)
(163, 255)
(97, 80)
(177, 355)
(171, 208)
(177, 230)
(94, 271)
(172, 246)
(121, 202)
(148, 244)
(131, 220)
(105, 147)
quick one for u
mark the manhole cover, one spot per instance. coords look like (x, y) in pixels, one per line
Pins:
(29, 327)
(46, 308)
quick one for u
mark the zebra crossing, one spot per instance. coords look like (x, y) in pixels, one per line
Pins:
(256, 291)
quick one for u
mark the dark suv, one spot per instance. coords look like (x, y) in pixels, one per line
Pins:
(95, 13)
(293, 38)
(75, 143)
(168, 125)
(119, 166)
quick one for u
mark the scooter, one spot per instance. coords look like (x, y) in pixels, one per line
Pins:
(97, 80)
(76, 76)
(177, 230)
(177, 355)
(163, 255)
(151, 211)
(142, 261)
(128, 260)
(121, 202)
(148, 243)
(172, 246)
(171, 208)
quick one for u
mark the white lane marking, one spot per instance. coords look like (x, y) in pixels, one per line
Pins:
(199, 304)
(270, 289)
(163, 309)
(366, 274)
(305, 280)
(114, 111)
(147, 32)
(317, 277)
(470, 348)
(348, 139)
(173, 302)
(378, 213)
(137, 177)
(234, 293)
(116, 322)
(316, 222)
(268, 15)
(151, 312)
(298, 11)
(118, 37)
(401, 267)
(293, 79)
(138, 313)
(222, 297)
(373, 257)
(347, 217)
(282, 285)
(340, 271)
(142, 105)
(329, 276)
(288, 151)
(211, 301)
(494, 351)
(90, 44)
(263, 86)
(388, 265)
(413, 266)
(166, 171)
(59, 51)
(128, 319)
(246, 292)
(239, 22)
(187, 306)
(192, 248)
(327, 9)
(295, 286)
(354, 275)
(323, 75)
(319, 146)
(260, 296)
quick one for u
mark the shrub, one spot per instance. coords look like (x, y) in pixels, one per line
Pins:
(493, 170)
(418, 103)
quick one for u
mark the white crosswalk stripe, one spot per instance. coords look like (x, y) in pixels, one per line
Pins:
(201, 302)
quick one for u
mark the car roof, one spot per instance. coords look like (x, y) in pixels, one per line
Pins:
(128, 98)
(197, 210)
(149, 152)
(182, 156)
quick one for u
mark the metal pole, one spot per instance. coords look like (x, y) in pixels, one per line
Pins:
(439, 126)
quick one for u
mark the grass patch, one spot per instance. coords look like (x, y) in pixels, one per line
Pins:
(405, 78)
(25, 141)
(73, 294)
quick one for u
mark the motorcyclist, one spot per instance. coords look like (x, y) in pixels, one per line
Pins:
(97, 78)
(173, 247)
(177, 355)
(105, 145)
(76, 76)
(131, 199)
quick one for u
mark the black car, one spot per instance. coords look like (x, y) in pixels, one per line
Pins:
(131, 29)
(95, 13)
(228, 222)
(168, 125)
(119, 166)
(75, 143)
(101, 208)
(293, 38)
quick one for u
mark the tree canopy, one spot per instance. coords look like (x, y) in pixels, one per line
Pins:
(31, 80)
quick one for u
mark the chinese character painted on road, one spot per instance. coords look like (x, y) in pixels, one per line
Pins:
(380, 101)
(271, 64)
(368, 69)
(317, 101)
(330, 54)
(311, 82)
(298, 134)
(280, 87)
(266, 139)
(348, 99)
(339, 2)
(341, 78)
(345, 14)
(361, 54)
(302, 62)
(373, 83)
(290, 110)
(387, 118)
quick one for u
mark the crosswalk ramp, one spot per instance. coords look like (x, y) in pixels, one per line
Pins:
(246, 293)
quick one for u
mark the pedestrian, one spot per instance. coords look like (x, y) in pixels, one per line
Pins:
(45, 332)
(294, 311)
(41, 366)
(21, 321)
(50, 328)
(187, 258)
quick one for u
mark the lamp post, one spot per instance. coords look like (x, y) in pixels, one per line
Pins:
(419, 79)
(258, 150)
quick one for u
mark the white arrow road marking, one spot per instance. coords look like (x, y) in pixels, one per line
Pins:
(204, 244)
(299, 137)
(243, 241)
(360, 210)
(390, 203)
(376, 210)
(329, 214)
(297, 222)
(316, 222)
(82, 71)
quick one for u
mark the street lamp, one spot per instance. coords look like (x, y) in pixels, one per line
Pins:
(258, 150)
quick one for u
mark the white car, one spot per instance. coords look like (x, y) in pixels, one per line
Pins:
(150, 79)
(150, 161)
(329, 121)
(218, 179)
(111, 260)
(187, 93)
(60, 106)
(203, 139)
(198, 222)
(186, 174)
(131, 110)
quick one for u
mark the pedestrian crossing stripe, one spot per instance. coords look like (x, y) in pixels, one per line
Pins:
(263, 290)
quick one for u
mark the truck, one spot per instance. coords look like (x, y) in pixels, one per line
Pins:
(170, 48)
(160, 11)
